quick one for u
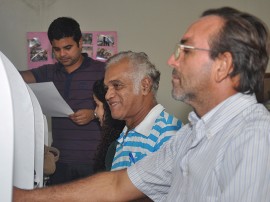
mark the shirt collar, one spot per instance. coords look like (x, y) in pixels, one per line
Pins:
(147, 123)
(219, 116)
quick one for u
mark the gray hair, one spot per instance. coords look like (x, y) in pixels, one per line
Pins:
(246, 37)
(142, 67)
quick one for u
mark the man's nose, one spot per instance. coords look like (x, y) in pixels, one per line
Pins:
(171, 61)
(109, 93)
(62, 52)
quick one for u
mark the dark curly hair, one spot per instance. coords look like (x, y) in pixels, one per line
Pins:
(64, 27)
(111, 127)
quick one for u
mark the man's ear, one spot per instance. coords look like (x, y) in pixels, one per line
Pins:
(80, 42)
(224, 66)
(146, 85)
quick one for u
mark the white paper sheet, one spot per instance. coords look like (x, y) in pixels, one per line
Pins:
(50, 100)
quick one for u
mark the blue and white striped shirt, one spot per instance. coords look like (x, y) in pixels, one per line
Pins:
(156, 128)
(224, 156)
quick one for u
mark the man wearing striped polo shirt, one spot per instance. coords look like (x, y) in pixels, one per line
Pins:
(132, 82)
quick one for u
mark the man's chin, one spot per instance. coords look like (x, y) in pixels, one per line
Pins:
(177, 95)
(117, 116)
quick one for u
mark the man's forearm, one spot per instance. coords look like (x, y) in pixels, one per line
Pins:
(28, 76)
(107, 186)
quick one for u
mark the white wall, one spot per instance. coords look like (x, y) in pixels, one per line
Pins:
(152, 26)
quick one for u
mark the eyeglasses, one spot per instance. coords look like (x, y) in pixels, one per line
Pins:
(182, 47)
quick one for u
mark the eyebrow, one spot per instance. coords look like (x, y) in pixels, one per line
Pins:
(112, 81)
(69, 45)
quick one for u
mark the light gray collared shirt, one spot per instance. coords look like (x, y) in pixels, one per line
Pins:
(223, 156)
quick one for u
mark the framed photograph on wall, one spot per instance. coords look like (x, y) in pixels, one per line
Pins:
(39, 50)
(99, 45)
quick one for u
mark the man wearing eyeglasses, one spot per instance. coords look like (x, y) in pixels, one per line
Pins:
(223, 154)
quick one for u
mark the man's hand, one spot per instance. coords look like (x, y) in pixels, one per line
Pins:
(82, 116)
